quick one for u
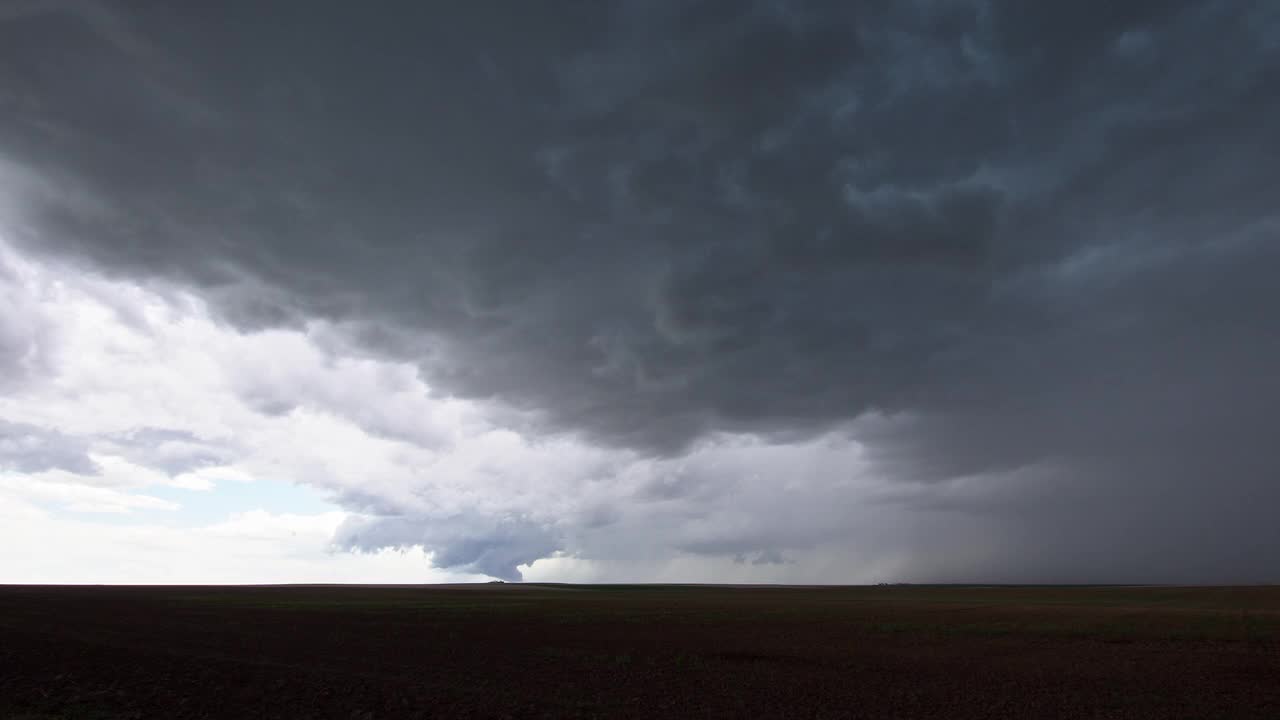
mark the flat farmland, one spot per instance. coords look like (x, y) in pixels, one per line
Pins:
(582, 651)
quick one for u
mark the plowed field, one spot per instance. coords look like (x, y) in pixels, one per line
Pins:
(639, 651)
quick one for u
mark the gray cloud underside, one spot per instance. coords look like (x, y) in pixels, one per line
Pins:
(981, 237)
(31, 449)
(27, 448)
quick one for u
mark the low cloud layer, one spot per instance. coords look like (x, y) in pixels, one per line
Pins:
(32, 449)
(947, 290)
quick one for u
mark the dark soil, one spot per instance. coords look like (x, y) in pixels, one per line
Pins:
(638, 651)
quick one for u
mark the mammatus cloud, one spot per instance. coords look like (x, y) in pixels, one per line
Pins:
(1016, 260)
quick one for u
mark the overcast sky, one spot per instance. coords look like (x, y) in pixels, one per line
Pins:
(774, 291)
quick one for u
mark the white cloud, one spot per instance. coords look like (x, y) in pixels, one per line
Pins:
(164, 396)
(191, 481)
(48, 489)
(253, 547)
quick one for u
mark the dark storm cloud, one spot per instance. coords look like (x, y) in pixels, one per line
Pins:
(489, 546)
(988, 237)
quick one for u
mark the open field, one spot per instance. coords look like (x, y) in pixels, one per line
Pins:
(639, 651)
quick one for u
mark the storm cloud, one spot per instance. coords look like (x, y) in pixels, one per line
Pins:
(1017, 259)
